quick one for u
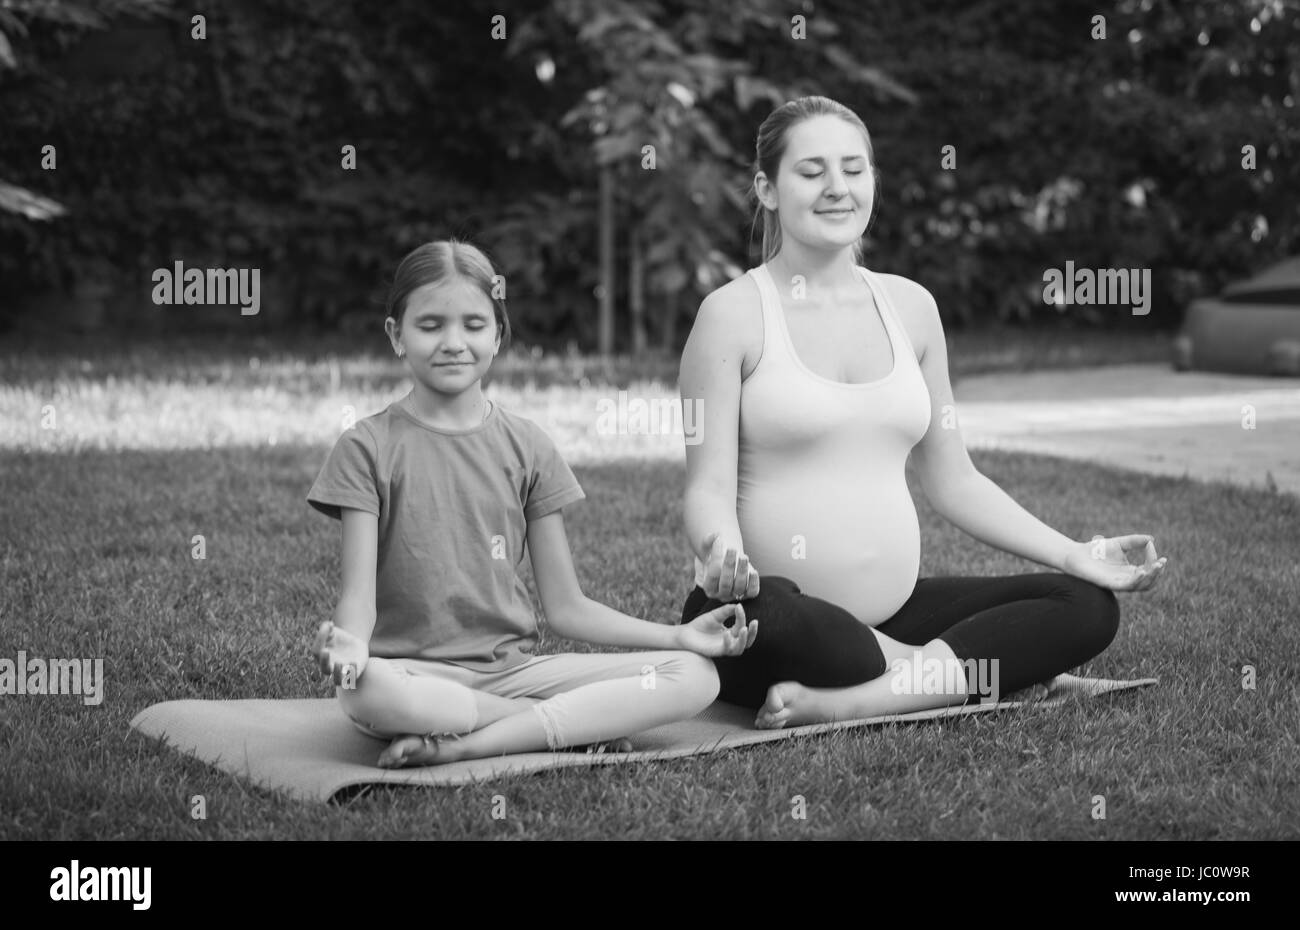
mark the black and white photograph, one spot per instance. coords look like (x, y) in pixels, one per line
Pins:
(643, 420)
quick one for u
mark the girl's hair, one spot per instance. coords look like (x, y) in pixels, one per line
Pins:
(440, 261)
(773, 137)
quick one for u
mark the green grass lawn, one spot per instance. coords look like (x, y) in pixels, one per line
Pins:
(96, 560)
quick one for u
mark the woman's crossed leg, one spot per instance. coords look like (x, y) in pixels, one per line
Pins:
(984, 637)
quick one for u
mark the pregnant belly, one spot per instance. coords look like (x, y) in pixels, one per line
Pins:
(861, 554)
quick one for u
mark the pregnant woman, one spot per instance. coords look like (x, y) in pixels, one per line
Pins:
(818, 377)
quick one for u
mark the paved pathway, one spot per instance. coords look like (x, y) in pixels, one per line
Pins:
(1144, 417)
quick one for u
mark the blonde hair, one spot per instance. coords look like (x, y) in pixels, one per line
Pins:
(773, 137)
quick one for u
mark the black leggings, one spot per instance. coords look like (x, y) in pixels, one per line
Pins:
(1036, 626)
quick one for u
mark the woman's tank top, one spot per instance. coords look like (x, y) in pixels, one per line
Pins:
(821, 496)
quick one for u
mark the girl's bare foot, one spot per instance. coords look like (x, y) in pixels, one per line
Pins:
(790, 704)
(336, 649)
(621, 744)
(406, 751)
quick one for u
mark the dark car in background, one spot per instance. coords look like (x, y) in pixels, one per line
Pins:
(1252, 327)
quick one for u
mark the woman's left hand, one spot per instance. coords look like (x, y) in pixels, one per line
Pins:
(1105, 562)
(708, 635)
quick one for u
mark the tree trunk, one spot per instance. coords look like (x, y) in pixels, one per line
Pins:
(670, 325)
(636, 290)
(605, 328)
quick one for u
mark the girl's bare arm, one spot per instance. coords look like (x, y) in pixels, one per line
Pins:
(355, 611)
(571, 613)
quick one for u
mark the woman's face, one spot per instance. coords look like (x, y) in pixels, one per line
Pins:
(449, 332)
(825, 186)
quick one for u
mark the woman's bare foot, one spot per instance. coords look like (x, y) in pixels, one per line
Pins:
(790, 704)
(336, 649)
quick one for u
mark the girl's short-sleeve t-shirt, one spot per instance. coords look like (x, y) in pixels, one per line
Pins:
(453, 509)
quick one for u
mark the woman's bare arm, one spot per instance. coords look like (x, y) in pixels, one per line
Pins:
(710, 379)
(956, 489)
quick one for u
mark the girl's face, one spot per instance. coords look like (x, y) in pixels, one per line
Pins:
(449, 334)
(825, 186)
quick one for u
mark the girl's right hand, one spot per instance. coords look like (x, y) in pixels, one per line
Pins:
(336, 649)
(728, 576)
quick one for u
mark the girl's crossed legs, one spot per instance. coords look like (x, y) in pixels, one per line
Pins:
(814, 661)
(548, 702)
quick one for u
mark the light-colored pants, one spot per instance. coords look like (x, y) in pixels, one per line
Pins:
(586, 697)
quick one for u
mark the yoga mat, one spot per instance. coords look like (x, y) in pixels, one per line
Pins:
(311, 751)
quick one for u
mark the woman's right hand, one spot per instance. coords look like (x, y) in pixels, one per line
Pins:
(728, 576)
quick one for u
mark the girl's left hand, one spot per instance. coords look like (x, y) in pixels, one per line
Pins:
(708, 635)
(1104, 562)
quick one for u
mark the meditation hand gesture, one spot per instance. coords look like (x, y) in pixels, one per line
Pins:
(1105, 562)
(708, 634)
(728, 576)
(336, 650)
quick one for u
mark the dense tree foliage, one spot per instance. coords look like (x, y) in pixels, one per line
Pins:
(602, 151)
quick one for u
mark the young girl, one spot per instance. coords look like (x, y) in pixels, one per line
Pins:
(434, 633)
